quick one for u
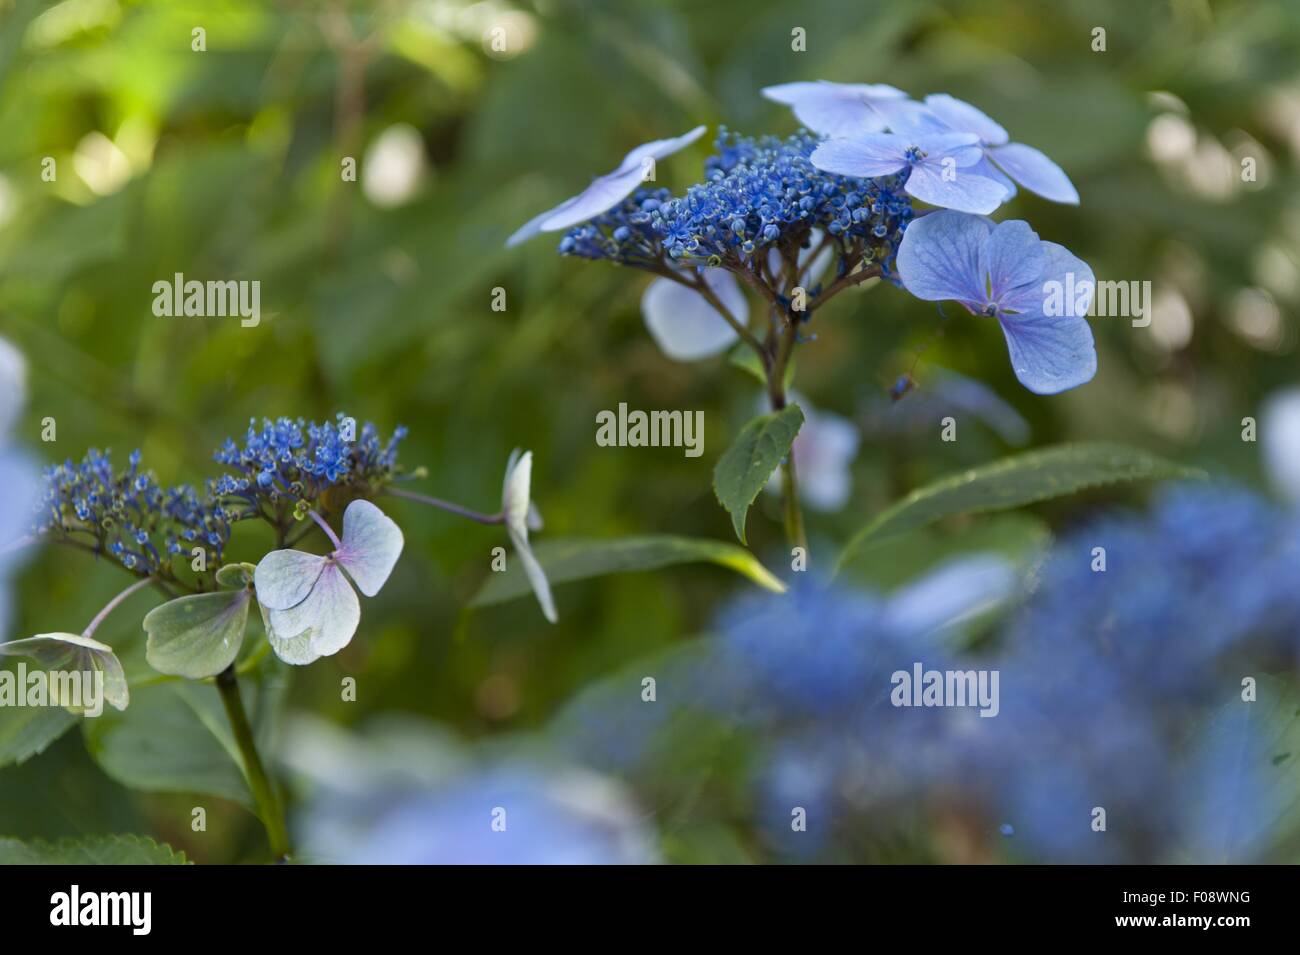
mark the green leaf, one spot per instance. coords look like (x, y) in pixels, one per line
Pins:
(744, 469)
(1015, 481)
(197, 636)
(92, 850)
(236, 575)
(745, 358)
(566, 559)
(175, 738)
(26, 731)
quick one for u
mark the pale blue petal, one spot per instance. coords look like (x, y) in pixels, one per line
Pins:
(958, 590)
(939, 258)
(1050, 354)
(1035, 172)
(605, 191)
(989, 170)
(372, 542)
(964, 117)
(838, 109)
(321, 625)
(684, 325)
(964, 192)
(865, 156)
(963, 147)
(1013, 262)
(284, 578)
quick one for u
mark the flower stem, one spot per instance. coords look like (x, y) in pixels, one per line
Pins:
(446, 506)
(268, 805)
(329, 531)
(784, 348)
(113, 604)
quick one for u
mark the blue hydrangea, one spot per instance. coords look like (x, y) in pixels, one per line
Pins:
(758, 194)
(127, 514)
(289, 460)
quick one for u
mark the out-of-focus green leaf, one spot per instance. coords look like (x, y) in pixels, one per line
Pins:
(1015, 481)
(93, 850)
(744, 469)
(175, 738)
(25, 731)
(577, 559)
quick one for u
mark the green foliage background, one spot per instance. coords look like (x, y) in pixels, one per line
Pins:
(234, 158)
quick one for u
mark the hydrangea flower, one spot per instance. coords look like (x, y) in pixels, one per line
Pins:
(406, 793)
(1005, 271)
(310, 608)
(839, 109)
(1002, 158)
(519, 516)
(287, 461)
(74, 653)
(127, 514)
(684, 324)
(605, 191)
(934, 167)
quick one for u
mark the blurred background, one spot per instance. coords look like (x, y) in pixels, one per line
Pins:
(377, 301)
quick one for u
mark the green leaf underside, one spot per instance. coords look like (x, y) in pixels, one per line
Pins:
(197, 636)
(745, 467)
(90, 850)
(1016, 481)
(568, 559)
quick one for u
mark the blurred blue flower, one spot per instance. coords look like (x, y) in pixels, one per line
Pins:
(17, 474)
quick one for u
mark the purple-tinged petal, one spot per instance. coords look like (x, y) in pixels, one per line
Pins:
(939, 258)
(1035, 172)
(372, 542)
(964, 117)
(658, 149)
(864, 156)
(1013, 261)
(963, 191)
(684, 325)
(838, 109)
(284, 578)
(321, 625)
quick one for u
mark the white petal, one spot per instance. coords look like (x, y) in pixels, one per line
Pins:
(514, 494)
(13, 385)
(321, 625)
(1280, 436)
(684, 325)
(372, 542)
(72, 653)
(284, 578)
(536, 576)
